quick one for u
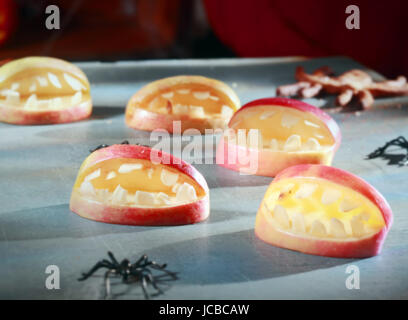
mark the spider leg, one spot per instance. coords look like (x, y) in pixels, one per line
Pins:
(100, 264)
(112, 257)
(144, 287)
(107, 283)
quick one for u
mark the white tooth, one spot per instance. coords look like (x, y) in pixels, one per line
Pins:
(56, 102)
(289, 120)
(111, 175)
(305, 190)
(93, 175)
(311, 124)
(201, 95)
(255, 139)
(293, 143)
(288, 187)
(77, 97)
(54, 80)
(31, 102)
(214, 98)
(298, 222)
(274, 144)
(347, 205)
(330, 195)
(319, 136)
(13, 97)
(267, 114)
(75, 84)
(119, 196)
(180, 109)
(281, 216)
(312, 144)
(175, 187)
(168, 95)
(129, 167)
(103, 195)
(337, 228)
(183, 91)
(87, 189)
(197, 112)
(318, 229)
(163, 199)
(226, 112)
(144, 198)
(168, 178)
(357, 226)
(186, 193)
(15, 86)
(33, 87)
(150, 173)
(42, 81)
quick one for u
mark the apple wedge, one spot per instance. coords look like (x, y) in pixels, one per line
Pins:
(277, 133)
(120, 184)
(324, 211)
(197, 102)
(43, 90)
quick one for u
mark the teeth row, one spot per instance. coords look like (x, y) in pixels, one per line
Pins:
(120, 196)
(200, 95)
(198, 111)
(336, 228)
(288, 120)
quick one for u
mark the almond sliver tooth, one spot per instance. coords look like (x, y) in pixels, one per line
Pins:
(180, 109)
(129, 167)
(33, 87)
(175, 187)
(305, 190)
(54, 80)
(255, 138)
(318, 229)
(274, 144)
(12, 97)
(56, 102)
(357, 226)
(214, 98)
(111, 175)
(144, 198)
(293, 143)
(312, 144)
(183, 91)
(226, 112)
(163, 199)
(103, 195)
(32, 102)
(93, 175)
(298, 222)
(42, 81)
(337, 228)
(201, 95)
(119, 196)
(168, 178)
(281, 216)
(330, 195)
(168, 95)
(347, 205)
(197, 112)
(311, 124)
(186, 193)
(15, 86)
(267, 114)
(289, 120)
(77, 97)
(75, 84)
(150, 172)
(87, 189)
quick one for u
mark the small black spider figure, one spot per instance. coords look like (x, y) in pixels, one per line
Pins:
(140, 271)
(398, 142)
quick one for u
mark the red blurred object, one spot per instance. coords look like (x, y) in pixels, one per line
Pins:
(315, 28)
(8, 19)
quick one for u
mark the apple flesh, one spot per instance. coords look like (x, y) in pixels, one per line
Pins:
(42, 90)
(197, 102)
(289, 132)
(125, 184)
(325, 211)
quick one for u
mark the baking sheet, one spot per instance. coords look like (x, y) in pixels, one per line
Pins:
(218, 259)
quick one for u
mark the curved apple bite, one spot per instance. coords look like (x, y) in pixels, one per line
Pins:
(121, 184)
(197, 102)
(43, 90)
(289, 132)
(325, 211)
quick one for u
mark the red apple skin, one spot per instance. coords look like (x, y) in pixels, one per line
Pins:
(362, 248)
(176, 215)
(270, 162)
(20, 116)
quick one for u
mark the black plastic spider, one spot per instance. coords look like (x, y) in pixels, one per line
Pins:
(381, 152)
(140, 271)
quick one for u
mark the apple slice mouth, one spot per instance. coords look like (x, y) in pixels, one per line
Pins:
(36, 90)
(197, 101)
(137, 183)
(320, 209)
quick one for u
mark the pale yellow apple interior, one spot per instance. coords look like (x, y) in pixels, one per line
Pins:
(193, 100)
(137, 182)
(280, 129)
(43, 89)
(319, 208)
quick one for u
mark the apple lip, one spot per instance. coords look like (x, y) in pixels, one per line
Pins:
(344, 178)
(301, 106)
